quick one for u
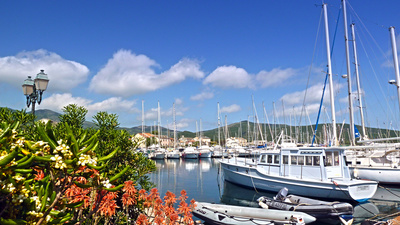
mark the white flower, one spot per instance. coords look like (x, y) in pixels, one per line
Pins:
(106, 183)
(56, 158)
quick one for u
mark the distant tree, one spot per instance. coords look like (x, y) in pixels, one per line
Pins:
(74, 115)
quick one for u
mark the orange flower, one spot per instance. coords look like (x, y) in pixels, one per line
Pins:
(159, 220)
(142, 194)
(129, 188)
(39, 174)
(169, 198)
(108, 205)
(127, 200)
(142, 220)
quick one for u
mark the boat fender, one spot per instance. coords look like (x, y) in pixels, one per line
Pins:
(263, 205)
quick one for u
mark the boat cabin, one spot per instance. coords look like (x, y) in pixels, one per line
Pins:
(306, 162)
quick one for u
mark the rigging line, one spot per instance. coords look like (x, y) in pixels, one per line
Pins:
(326, 78)
(365, 27)
(376, 78)
(312, 61)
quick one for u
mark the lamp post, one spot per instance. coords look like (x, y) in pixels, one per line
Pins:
(33, 89)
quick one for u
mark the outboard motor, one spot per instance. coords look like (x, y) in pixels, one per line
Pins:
(281, 196)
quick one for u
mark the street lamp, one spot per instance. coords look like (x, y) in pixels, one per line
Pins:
(33, 89)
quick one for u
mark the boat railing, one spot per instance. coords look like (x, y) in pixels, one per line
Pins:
(301, 171)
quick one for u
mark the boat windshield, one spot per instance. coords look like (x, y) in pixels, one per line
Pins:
(333, 164)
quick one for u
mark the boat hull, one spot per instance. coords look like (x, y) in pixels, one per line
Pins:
(190, 155)
(318, 209)
(227, 214)
(157, 156)
(255, 178)
(205, 154)
(384, 175)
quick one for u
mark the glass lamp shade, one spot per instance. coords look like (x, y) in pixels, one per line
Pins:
(41, 81)
(27, 87)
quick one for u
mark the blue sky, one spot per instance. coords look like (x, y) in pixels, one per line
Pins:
(111, 55)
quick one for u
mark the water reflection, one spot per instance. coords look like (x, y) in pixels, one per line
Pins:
(202, 181)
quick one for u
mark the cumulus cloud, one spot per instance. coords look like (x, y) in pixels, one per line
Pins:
(314, 94)
(230, 109)
(274, 77)
(202, 96)
(127, 74)
(63, 74)
(57, 102)
(233, 77)
(151, 115)
(230, 77)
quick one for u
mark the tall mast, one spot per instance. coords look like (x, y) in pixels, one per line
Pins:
(219, 127)
(159, 123)
(328, 55)
(395, 61)
(364, 134)
(200, 132)
(174, 114)
(142, 117)
(273, 103)
(346, 41)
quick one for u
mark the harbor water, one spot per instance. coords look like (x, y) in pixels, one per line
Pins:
(203, 181)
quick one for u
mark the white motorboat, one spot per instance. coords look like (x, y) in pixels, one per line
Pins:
(378, 163)
(173, 154)
(190, 153)
(319, 172)
(205, 152)
(238, 215)
(158, 154)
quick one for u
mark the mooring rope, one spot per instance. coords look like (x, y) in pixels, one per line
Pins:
(336, 184)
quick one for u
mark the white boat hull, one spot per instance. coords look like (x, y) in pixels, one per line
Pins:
(157, 155)
(190, 155)
(386, 175)
(173, 155)
(255, 178)
(228, 214)
(206, 154)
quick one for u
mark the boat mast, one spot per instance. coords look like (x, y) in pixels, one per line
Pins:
(395, 61)
(349, 89)
(364, 134)
(159, 121)
(328, 54)
(219, 127)
(174, 114)
(142, 117)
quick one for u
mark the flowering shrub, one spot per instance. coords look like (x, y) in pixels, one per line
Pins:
(54, 181)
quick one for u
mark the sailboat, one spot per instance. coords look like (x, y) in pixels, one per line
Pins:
(378, 161)
(174, 153)
(372, 160)
(158, 152)
(319, 172)
(218, 151)
(204, 151)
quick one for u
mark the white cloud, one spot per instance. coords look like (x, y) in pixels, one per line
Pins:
(314, 94)
(230, 109)
(127, 74)
(151, 115)
(274, 77)
(202, 96)
(114, 104)
(230, 77)
(183, 123)
(57, 102)
(63, 74)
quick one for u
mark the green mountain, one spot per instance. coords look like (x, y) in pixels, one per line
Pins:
(244, 129)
